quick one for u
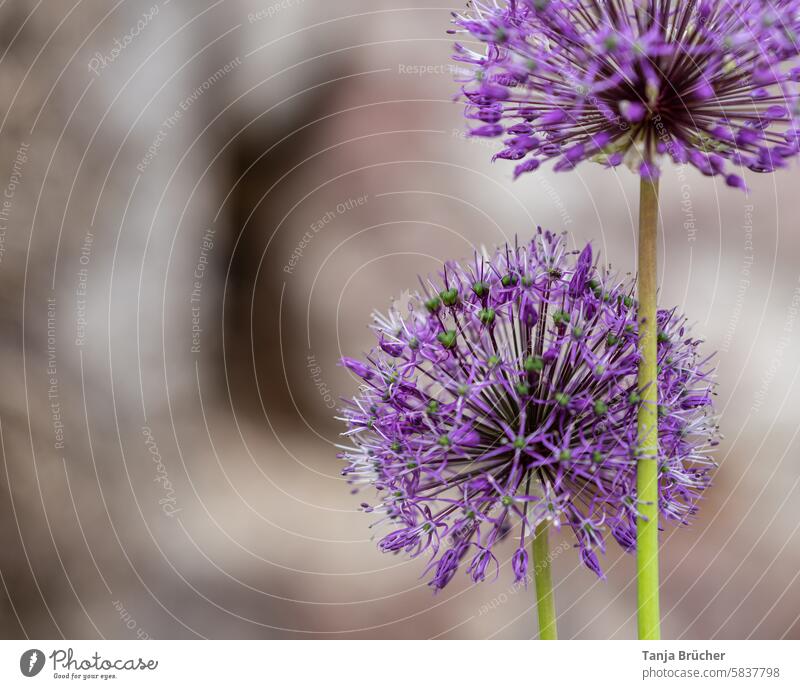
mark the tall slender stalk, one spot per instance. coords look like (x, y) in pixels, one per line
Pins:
(545, 603)
(647, 428)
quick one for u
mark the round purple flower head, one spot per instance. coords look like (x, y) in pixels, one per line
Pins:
(700, 81)
(506, 396)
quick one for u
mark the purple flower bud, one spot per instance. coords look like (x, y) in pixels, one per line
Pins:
(488, 115)
(524, 143)
(529, 165)
(553, 117)
(529, 314)
(494, 91)
(701, 162)
(577, 284)
(520, 128)
(764, 75)
(551, 355)
(361, 370)
(776, 112)
(735, 181)
(625, 535)
(399, 540)
(447, 566)
(392, 348)
(465, 436)
(590, 560)
(479, 564)
(746, 137)
(487, 130)
(519, 564)
(509, 154)
(574, 153)
(601, 140)
(564, 164)
(723, 134)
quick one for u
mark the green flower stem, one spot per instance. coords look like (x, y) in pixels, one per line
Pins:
(647, 428)
(545, 603)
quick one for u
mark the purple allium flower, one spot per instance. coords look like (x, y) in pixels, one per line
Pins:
(633, 80)
(506, 395)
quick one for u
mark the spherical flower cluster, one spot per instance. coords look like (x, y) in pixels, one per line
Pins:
(699, 81)
(506, 395)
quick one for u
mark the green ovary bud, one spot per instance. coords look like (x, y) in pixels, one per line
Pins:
(560, 317)
(562, 398)
(449, 296)
(447, 338)
(480, 288)
(509, 280)
(534, 364)
(433, 304)
(486, 316)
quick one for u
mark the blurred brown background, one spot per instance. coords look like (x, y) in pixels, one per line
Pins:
(205, 202)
